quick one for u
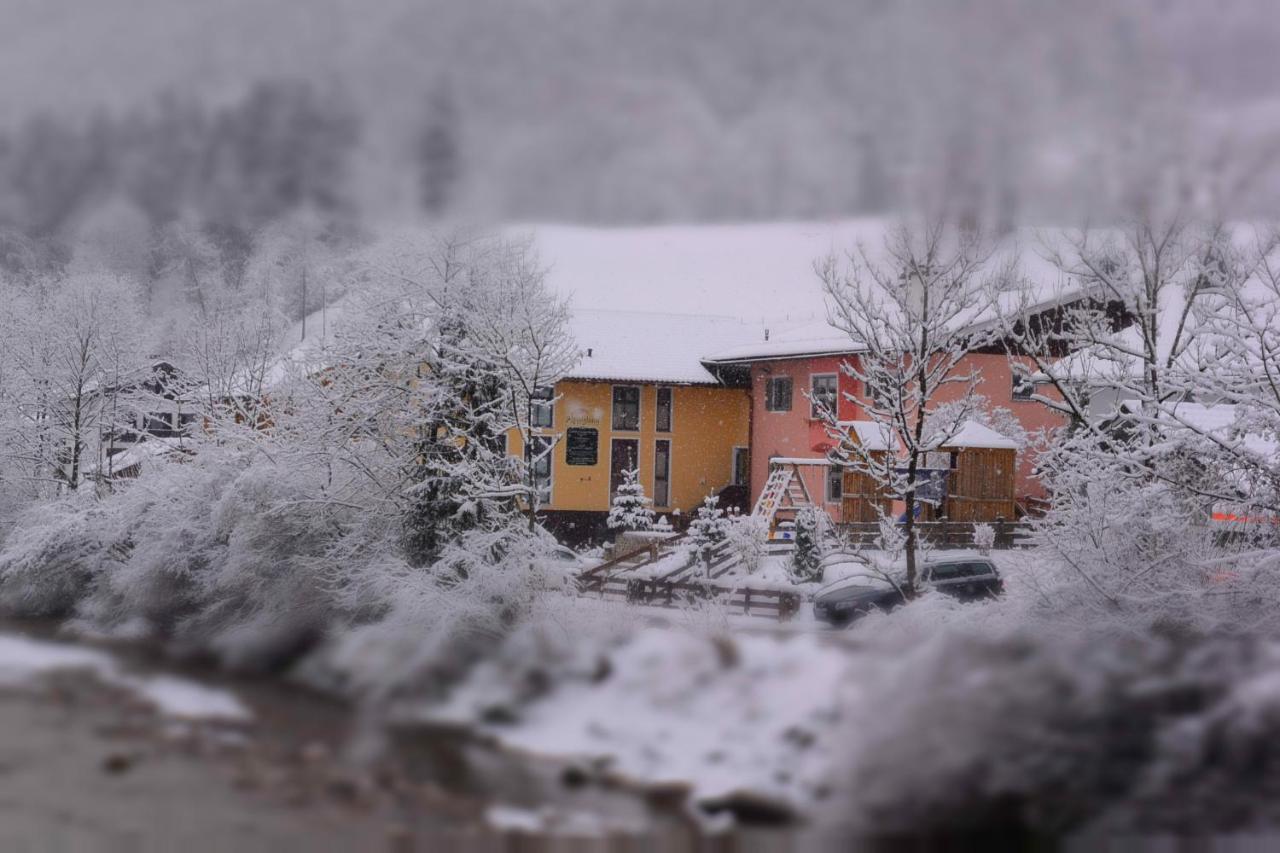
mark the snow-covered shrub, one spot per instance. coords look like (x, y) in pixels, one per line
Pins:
(1052, 729)
(631, 509)
(746, 537)
(436, 624)
(53, 555)
(806, 561)
(1138, 549)
(708, 529)
(984, 537)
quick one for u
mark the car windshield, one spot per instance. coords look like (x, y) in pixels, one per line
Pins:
(967, 569)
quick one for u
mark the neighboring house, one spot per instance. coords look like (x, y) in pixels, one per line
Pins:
(640, 398)
(143, 415)
(792, 369)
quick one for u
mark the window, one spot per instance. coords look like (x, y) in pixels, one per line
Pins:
(835, 484)
(542, 409)
(777, 394)
(159, 424)
(822, 394)
(624, 455)
(663, 419)
(538, 455)
(581, 446)
(1023, 387)
(957, 571)
(741, 466)
(879, 396)
(626, 407)
(662, 473)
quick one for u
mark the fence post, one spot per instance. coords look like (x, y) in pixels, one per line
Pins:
(946, 531)
(746, 602)
(1003, 538)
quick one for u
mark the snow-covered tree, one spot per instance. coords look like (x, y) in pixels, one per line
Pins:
(746, 536)
(806, 561)
(631, 509)
(1161, 357)
(910, 315)
(66, 343)
(708, 529)
(427, 380)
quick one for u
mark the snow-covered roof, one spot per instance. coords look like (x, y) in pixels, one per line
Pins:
(871, 435)
(763, 273)
(648, 346)
(141, 453)
(974, 435)
(1220, 422)
(804, 339)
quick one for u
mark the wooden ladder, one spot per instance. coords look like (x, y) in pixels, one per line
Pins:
(784, 483)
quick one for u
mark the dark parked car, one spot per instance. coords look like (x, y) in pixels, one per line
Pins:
(962, 576)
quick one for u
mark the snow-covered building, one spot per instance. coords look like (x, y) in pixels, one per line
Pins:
(641, 399)
(790, 373)
(757, 374)
(144, 414)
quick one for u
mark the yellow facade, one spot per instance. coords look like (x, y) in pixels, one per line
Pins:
(707, 424)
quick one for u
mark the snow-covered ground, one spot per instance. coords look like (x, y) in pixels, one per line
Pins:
(722, 714)
(773, 572)
(24, 660)
(723, 705)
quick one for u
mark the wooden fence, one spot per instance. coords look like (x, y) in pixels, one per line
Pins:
(772, 603)
(634, 558)
(942, 534)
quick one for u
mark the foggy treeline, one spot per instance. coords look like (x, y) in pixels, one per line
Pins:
(643, 111)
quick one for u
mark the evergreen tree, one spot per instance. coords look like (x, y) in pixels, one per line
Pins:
(806, 562)
(631, 509)
(708, 529)
(460, 469)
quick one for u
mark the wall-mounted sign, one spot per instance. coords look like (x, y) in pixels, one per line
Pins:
(581, 446)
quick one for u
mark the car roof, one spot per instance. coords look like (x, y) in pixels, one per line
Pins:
(958, 557)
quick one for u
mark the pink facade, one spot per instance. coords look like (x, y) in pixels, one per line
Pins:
(794, 432)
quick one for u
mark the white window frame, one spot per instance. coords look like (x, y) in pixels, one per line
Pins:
(671, 426)
(813, 415)
(613, 426)
(733, 464)
(639, 465)
(548, 405)
(1029, 384)
(826, 485)
(671, 467)
(551, 465)
(768, 394)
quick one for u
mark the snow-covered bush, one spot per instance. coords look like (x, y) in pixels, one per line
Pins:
(51, 559)
(746, 537)
(806, 561)
(631, 509)
(984, 537)
(708, 529)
